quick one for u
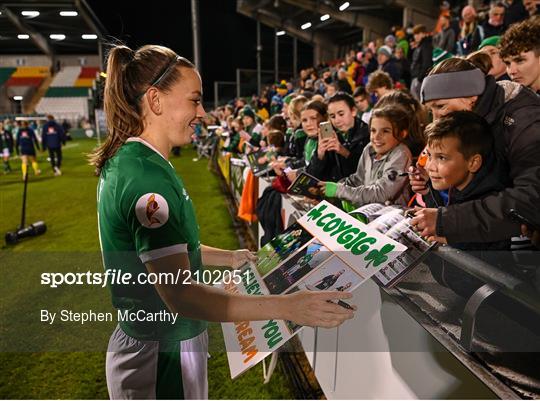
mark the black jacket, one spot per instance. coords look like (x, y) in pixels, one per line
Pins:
(334, 167)
(422, 59)
(513, 112)
(391, 69)
(489, 31)
(269, 214)
(490, 179)
(294, 149)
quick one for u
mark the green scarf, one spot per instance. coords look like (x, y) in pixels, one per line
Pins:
(309, 148)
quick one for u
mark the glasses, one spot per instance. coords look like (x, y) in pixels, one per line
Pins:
(161, 76)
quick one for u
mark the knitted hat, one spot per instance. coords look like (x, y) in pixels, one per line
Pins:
(385, 50)
(282, 88)
(439, 55)
(390, 38)
(287, 99)
(247, 112)
(491, 41)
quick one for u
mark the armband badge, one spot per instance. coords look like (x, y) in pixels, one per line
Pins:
(152, 210)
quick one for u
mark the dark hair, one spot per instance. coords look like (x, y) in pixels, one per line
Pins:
(419, 29)
(318, 106)
(342, 97)
(418, 117)
(360, 92)
(521, 37)
(129, 74)
(396, 115)
(471, 130)
(378, 79)
(277, 122)
(276, 138)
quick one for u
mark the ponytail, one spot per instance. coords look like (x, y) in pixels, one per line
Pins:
(129, 74)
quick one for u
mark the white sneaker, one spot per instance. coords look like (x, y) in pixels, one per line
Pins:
(57, 171)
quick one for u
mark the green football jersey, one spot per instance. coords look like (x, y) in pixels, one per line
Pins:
(145, 213)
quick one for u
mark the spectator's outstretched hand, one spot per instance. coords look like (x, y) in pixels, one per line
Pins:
(418, 178)
(425, 221)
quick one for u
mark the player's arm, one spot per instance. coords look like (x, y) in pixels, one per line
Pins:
(199, 301)
(222, 257)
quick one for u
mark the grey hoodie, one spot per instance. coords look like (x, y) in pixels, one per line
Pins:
(377, 180)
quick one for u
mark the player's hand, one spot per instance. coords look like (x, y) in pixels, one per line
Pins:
(242, 256)
(314, 309)
(418, 179)
(425, 221)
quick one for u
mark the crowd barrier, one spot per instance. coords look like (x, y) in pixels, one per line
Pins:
(417, 339)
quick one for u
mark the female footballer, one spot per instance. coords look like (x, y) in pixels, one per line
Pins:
(147, 224)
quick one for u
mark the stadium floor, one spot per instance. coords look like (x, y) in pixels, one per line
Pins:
(67, 205)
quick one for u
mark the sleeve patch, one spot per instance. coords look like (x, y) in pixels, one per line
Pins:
(152, 210)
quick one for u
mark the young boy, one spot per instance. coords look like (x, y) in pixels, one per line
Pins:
(379, 83)
(362, 102)
(461, 160)
(520, 51)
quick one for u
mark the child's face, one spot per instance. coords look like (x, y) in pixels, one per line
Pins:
(498, 67)
(248, 121)
(361, 103)
(235, 126)
(341, 116)
(265, 130)
(446, 165)
(310, 122)
(382, 135)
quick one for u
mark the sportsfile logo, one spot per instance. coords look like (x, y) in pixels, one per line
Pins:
(152, 210)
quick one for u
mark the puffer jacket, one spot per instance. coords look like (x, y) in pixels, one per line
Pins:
(513, 112)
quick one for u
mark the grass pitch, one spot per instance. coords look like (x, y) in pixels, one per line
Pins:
(68, 205)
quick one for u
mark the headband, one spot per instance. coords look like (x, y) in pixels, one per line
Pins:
(451, 85)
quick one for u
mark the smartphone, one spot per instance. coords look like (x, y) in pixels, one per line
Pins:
(518, 218)
(326, 130)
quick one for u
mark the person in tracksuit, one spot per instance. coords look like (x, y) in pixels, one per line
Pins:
(52, 138)
(26, 144)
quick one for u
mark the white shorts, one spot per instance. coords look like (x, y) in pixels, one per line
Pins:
(138, 369)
